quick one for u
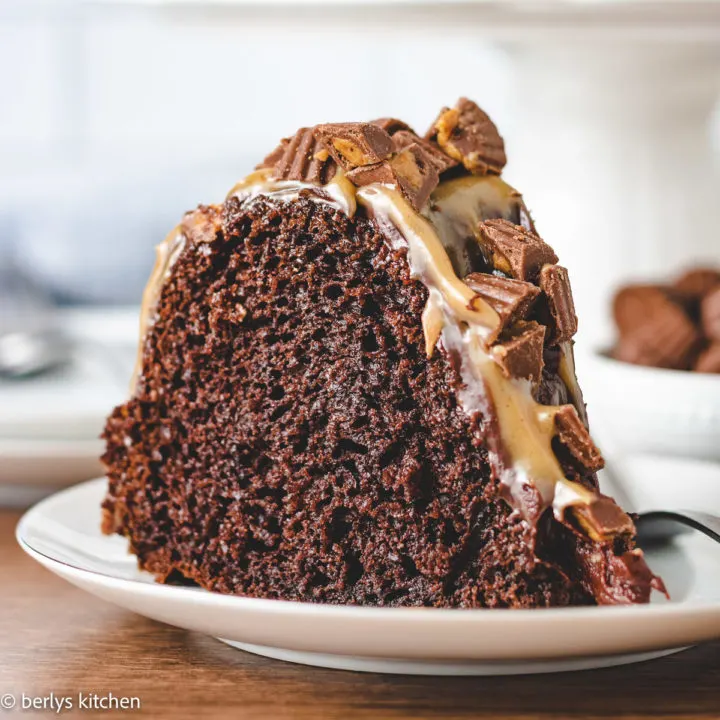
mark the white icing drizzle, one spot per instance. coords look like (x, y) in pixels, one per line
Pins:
(339, 192)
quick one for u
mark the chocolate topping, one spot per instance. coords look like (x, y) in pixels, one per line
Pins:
(520, 352)
(511, 299)
(442, 161)
(273, 158)
(696, 283)
(575, 438)
(709, 359)
(604, 520)
(392, 125)
(468, 135)
(411, 171)
(710, 314)
(303, 158)
(355, 145)
(555, 283)
(514, 250)
(654, 330)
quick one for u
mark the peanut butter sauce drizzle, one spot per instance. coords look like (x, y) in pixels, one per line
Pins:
(526, 428)
(166, 255)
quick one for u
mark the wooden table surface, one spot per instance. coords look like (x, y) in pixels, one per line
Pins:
(57, 639)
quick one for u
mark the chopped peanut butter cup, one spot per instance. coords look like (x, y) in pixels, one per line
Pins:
(710, 314)
(303, 158)
(575, 438)
(510, 299)
(355, 145)
(515, 251)
(520, 352)
(411, 171)
(555, 284)
(469, 136)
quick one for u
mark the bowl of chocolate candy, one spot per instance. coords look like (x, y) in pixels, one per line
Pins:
(657, 390)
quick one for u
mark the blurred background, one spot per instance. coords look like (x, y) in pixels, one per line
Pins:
(116, 117)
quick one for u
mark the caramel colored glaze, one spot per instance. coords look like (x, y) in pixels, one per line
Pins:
(526, 429)
(427, 257)
(166, 254)
(442, 245)
(339, 192)
(457, 206)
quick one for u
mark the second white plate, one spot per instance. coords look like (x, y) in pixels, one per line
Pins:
(62, 533)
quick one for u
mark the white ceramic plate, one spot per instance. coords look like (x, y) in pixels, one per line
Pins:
(62, 533)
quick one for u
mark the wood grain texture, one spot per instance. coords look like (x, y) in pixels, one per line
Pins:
(55, 638)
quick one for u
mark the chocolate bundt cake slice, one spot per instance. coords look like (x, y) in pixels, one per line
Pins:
(356, 385)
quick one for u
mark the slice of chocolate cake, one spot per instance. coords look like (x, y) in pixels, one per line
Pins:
(356, 385)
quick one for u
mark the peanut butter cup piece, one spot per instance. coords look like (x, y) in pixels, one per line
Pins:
(469, 136)
(654, 329)
(603, 520)
(355, 145)
(441, 161)
(555, 284)
(696, 283)
(575, 438)
(515, 251)
(273, 158)
(520, 352)
(709, 359)
(392, 125)
(511, 299)
(303, 158)
(410, 171)
(710, 314)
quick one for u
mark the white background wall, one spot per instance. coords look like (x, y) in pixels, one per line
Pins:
(114, 120)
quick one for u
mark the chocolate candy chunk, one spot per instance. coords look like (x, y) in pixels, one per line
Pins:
(654, 330)
(515, 251)
(440, 160)
(204, 224)
(410, 170)
(355, 144)
(272, 159)
(695, 284)
(468, 135)
(603, 520)
(710, 314)
(555, 283)
(709, 359)
(520, 353)
(392, 125)
(304, 158)
(511, 299)
(575, 438)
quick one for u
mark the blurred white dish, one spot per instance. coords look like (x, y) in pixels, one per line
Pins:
(650, 410)
(72, 403)
(49, 463)
(63, 534)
